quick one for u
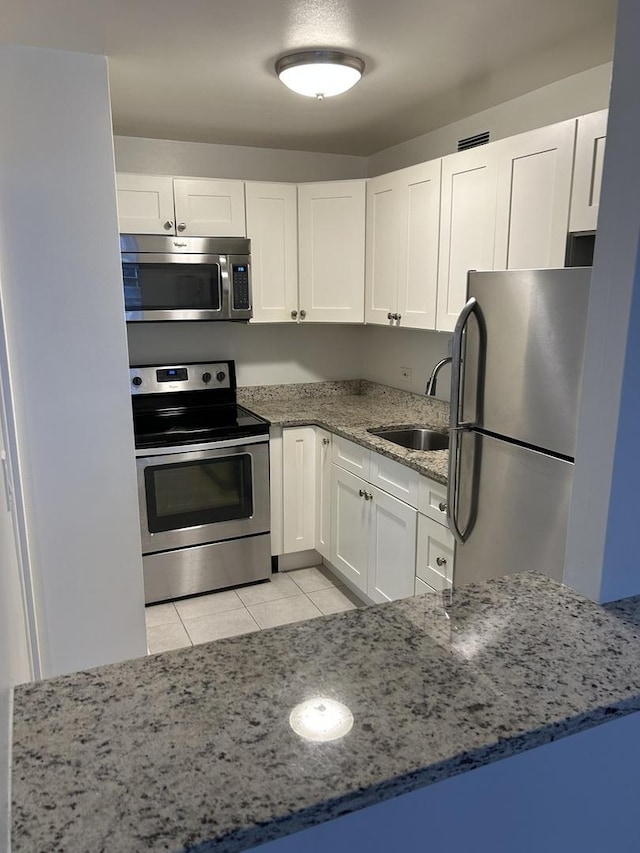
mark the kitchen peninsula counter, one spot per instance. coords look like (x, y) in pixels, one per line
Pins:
(193, 749)
(350, 409)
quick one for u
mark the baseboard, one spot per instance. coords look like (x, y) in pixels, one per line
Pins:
(299, 560)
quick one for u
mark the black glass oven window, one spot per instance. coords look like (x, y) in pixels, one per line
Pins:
(188, 494)
(163, 287)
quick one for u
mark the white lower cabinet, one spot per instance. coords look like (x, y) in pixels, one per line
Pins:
(323, 492)
(350, 522)
(392, 547)
(384, 540)
(298, 489)
(435, 553)
(373, 537)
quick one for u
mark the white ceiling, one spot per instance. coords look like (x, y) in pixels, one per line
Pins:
(202, 70)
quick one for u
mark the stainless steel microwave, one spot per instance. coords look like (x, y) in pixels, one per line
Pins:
(186, 278)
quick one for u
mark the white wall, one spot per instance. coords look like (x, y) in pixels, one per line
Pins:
(386, 350)
(576, 95)
(264, 354)
(604, 534)
(205, 160)
(64, 313)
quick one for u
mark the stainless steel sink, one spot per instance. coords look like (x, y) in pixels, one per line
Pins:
(415, 438)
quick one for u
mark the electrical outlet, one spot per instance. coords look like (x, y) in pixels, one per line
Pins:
(405, 374)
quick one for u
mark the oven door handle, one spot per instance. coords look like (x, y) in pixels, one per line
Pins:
(142, 452)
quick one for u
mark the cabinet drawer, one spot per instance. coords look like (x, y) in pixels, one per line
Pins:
(350, 456)
(435, 553)
(395, 478)
(432, 500)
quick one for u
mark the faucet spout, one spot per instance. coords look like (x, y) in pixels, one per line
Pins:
(433, 379)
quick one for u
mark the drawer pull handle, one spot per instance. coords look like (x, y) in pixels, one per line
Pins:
(442, 506)
(441, 561)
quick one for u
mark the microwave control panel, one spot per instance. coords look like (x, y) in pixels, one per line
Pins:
(240, 287)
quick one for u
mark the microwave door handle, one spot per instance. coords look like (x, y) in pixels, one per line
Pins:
(225, 284)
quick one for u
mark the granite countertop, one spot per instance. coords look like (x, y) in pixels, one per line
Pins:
(350, 409)
(193, 750)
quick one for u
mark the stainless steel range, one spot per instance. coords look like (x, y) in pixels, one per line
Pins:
(203, 480)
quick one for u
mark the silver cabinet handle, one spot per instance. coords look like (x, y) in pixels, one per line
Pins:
(456, 425)
(326, 441)
(389, 316)
(442, 506)
(362, 494)
(294, 314)
(441, 561)
(397, 317)
(182, 226)
(168, 225)
(303, 314)
(368, 496)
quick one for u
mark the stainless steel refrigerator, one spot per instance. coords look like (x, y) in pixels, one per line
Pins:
(518, 351)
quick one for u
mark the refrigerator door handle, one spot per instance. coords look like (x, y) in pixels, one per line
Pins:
(456, 425)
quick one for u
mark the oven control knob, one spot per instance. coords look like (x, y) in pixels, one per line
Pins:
(221, 376)
(206, 377)
(137, 381)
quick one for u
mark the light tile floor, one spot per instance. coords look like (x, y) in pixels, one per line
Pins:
(287, 597)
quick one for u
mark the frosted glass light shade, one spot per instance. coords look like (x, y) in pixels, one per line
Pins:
(319, 73)
(321, 719)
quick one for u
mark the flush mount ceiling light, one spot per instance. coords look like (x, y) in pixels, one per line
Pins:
(319, 73)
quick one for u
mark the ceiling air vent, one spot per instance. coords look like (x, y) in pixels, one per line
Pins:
(473, 141)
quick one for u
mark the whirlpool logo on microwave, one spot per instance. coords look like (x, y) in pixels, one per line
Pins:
(179, 245)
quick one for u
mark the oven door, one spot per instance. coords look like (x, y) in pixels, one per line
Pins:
(192, 497)
(177, 286)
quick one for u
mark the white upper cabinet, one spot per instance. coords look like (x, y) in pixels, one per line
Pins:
(383, 248)
(403, 223)
(272, 226)
(209, 208)
(331, 228)
(534, 193)
(587, 178)
(145, 204)
(467, 226)
(156, 204)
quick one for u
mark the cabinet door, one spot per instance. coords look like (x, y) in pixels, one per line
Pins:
(467, 226)
(392, 547)
(209, 208)
(323, 492)
(145, 204)
(435, 553)
(382, 252)
(350, 517)
(331, 225)
(272, 227)
(534, 192)
(298, 489)
(419, 223)
(587, 176)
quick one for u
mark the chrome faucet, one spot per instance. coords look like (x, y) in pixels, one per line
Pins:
(433, 379)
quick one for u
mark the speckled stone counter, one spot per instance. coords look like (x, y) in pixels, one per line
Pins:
(192, 749)
(350, 409)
